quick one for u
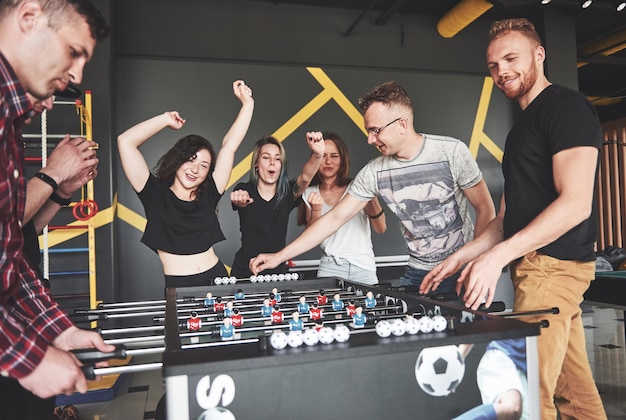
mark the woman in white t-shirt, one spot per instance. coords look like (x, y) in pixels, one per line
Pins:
(348, 253)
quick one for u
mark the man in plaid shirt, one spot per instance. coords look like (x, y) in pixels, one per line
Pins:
(44, 44)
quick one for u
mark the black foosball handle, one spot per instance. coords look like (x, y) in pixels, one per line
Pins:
(498, 306)
(554, 311)
(89, 372)
(93, 356)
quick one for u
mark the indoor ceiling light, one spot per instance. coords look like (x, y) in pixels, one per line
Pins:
(621, 5)
(587, 3)
(545, 1)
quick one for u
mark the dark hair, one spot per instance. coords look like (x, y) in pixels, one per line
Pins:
(184, 150)
(389, 93)
(61, 12)
(97, 24)
(282, 189)
(521, 25)
(343, 177)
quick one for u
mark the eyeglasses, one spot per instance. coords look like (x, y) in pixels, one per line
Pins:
(376, 131)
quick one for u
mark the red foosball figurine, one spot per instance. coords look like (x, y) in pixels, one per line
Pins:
(194, 323)
(351, 308)
(321, 298)
(277, 315)
(218, 306)
(315, 312)
(236, 318)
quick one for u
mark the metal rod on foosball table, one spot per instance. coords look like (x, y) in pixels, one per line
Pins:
(91, 372)
(269, 327)
(104, 315)
(290, 299)
(126, 369)
(159, 338)
(112, 331)
(186, 299)
(553, 311)
(284, 310)
(285, 294)
(134, 309)
(220, 343)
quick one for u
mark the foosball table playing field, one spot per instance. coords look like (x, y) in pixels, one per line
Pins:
(329, 348)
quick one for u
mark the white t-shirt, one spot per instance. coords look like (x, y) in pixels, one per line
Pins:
(352, 241)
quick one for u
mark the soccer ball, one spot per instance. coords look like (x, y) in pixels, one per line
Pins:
(342, 333)
(439, 370)
(310, 337)
(412, 325)
(383, 328)
(278, 340)
(294, 338)
(327, 335)
(217, 413)
(398, 327)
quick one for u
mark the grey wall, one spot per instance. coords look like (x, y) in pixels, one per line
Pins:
(184, 55)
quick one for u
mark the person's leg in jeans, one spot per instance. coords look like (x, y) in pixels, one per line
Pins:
(414, 276)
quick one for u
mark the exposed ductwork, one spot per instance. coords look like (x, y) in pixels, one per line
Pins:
(460, 16)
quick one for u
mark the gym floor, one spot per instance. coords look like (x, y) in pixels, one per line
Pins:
(605, 346)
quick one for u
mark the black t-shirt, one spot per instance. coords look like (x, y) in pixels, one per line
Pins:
(557, 119)
(31, 246)
(263, 227)
(177, 226)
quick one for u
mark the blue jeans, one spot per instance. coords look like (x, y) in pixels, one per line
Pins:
(414, 277)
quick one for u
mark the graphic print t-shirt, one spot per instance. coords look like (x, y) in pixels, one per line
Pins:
(426, 194)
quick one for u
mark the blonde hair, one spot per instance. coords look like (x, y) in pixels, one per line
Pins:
(521, 25)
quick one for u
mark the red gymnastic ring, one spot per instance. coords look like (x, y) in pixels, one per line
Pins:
(85, 210)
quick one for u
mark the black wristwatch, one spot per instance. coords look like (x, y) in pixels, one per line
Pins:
(60, 200)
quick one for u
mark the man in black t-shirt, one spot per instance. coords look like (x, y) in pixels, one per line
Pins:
(546, 227)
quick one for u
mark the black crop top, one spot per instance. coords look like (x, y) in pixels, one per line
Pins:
(177, 226)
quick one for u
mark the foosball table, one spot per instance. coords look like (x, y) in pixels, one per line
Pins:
(328, 348)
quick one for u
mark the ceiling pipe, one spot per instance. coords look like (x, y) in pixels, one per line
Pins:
(460, 16)
(358, 19)
(386, 14)
(605, 47)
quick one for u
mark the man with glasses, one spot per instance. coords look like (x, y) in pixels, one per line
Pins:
(428, 181)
